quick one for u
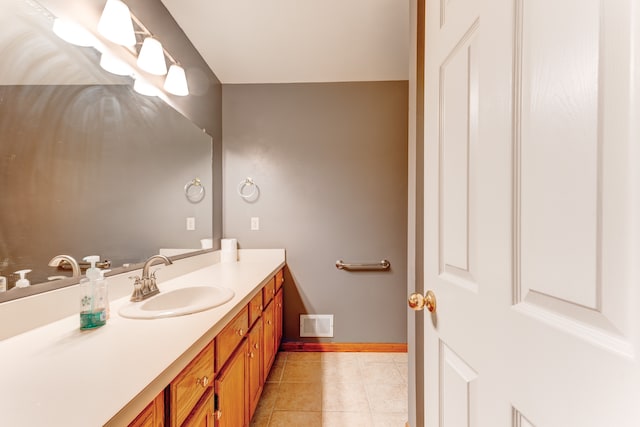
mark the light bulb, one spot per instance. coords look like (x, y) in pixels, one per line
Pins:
(176, 81)
(73, 33)
(151, 58)
(144, 88)
(115, 23)
(113, 65)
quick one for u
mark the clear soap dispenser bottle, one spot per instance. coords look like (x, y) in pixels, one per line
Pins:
(103, 293)
(23, 282)
(92, 309)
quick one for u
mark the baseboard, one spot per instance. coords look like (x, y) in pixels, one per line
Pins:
(344, 347)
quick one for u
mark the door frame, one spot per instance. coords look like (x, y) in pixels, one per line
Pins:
(415, 229)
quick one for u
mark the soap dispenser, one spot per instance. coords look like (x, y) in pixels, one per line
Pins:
(103, 293)
(22, 282)
(92, 310)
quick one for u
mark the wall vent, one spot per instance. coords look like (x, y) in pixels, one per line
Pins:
(316, 325)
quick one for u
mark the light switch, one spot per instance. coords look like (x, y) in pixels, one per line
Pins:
(191, 223)
(255, 223)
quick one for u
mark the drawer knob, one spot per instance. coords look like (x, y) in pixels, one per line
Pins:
(218, 414)
(204, 381)
(241, 332)
(268, 322)
(251, 354)
(256, 346)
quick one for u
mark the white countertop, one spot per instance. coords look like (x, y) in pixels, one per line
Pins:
(57, 375)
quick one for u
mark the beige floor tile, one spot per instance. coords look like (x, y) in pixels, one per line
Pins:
(387, 398)
(303, 356)
(299, 397)
(261, 417)
(269, 395)
(389, 420)
(339, 356)
(400, 357)
(302, 372)
(376, 357)
(346, 419)
(292, 419)
(281, 357)
(404, 371)
(275, 375)
(345, 371)
(381, 373)
(349, 397)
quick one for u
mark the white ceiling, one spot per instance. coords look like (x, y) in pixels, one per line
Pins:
(285, 41)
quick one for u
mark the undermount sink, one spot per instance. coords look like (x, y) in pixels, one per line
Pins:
(178, 302)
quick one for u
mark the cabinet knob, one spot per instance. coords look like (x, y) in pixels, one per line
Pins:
(241, 332)
(204, 381)
(261, 307)
(218, 414)
(256, 346)
(251, 354)
(268, 322)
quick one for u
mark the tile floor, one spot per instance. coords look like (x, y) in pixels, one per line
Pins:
(335, 390)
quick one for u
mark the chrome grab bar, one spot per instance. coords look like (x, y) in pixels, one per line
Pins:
(383, 265)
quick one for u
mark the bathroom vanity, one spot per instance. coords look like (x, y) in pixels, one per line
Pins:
(199, 369)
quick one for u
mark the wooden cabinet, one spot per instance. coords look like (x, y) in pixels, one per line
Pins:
(231, 391)
(255, 373)
(230, 337)
(279, 301)
(152, 415)
(268, 339)
(187, 389)
(222, 385)
(202, 415)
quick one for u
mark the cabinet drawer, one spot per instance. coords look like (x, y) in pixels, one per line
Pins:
(255, 308)
(279, 279)
(268, 291)
(191, 384)
(202, 416)
(230, 337)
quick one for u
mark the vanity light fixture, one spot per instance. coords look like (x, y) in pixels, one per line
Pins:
(151, 57)
(113, 65)
(176, 81)
(144, 88)
(115, 23)
(73, 33)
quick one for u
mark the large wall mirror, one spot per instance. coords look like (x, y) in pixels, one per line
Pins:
(87, 165)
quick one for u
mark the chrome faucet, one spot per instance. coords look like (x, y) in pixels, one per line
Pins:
(146, 286)
(59, 259)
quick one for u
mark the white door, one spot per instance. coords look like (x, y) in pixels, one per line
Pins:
(532, 213)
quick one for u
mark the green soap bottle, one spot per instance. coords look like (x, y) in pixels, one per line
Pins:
(92, 309)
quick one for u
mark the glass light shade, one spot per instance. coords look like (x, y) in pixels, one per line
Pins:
(151, 58)
(73, 33)
(176, 81)
(115, 23)
(113, 65)
(144, 88)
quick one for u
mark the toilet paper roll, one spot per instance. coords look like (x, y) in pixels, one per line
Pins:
(206, 243)
(229, 256)
(228, 244)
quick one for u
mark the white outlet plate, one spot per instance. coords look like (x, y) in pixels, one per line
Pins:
(191, 223)
(255, 223)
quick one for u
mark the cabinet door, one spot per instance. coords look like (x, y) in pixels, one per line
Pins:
(232, 392)
(202, 415)
(278, 318)
(152, 415)
(254, 373)
(269, 339)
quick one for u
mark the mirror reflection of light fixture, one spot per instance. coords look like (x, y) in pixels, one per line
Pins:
(115, 23)
(176, 81)
(144, 88)
(73, 33)
(151, 57)
(113, 65)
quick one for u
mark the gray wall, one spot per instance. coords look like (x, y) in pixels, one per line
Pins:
(330, 160)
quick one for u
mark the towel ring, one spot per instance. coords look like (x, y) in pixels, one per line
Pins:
(194, 190)
(247, 188)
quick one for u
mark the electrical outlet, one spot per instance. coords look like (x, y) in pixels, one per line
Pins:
(191, 223)
(255, 223)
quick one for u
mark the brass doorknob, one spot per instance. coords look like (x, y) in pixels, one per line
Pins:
(418, 301)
